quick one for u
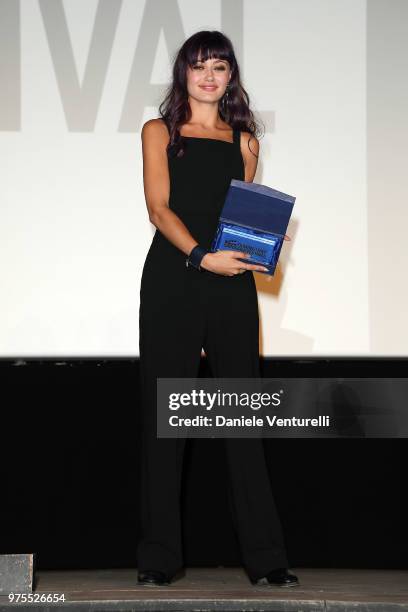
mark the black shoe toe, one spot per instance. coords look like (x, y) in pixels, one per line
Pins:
(153, 578)
(278, 577)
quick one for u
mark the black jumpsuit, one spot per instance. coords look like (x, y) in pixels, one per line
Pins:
(183, 310)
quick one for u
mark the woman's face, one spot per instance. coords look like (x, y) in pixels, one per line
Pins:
(207, 81)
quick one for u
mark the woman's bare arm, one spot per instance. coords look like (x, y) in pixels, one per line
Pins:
(156, 182)
(249, 149)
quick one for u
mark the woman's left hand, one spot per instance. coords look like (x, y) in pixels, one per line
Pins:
(286, 237)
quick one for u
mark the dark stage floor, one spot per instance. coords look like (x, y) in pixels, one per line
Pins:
(222, 589)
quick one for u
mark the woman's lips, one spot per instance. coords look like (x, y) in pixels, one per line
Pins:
(208, 88)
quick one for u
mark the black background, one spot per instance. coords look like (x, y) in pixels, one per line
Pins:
(70, 471)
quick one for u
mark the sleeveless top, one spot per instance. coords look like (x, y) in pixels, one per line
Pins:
(199, 182)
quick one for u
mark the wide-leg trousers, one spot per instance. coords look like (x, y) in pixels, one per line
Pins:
(181, 313)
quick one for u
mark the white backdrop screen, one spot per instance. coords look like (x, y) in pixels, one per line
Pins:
(77, 82)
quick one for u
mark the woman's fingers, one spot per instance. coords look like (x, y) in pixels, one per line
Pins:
(248, 266)
(241, 265)
(252, 267)
(238, 254)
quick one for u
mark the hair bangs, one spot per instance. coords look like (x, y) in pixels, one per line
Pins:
(208, 46)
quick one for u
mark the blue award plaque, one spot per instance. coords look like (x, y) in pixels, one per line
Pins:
(254, 220)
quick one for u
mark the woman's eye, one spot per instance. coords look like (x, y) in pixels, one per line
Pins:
(217, 67)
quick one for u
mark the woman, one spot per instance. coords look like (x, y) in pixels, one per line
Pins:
(192, 299)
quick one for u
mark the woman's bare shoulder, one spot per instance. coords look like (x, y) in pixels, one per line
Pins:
(155, 130)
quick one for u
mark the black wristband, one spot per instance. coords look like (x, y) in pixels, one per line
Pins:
(195, 257)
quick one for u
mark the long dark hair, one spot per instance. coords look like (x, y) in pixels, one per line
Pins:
(234, 109)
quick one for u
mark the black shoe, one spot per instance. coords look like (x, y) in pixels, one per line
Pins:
(278, 577)
(153, 578)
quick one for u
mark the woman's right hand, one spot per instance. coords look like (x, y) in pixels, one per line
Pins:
(226, 262)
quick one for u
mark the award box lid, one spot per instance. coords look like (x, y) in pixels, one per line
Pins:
(257, 206)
